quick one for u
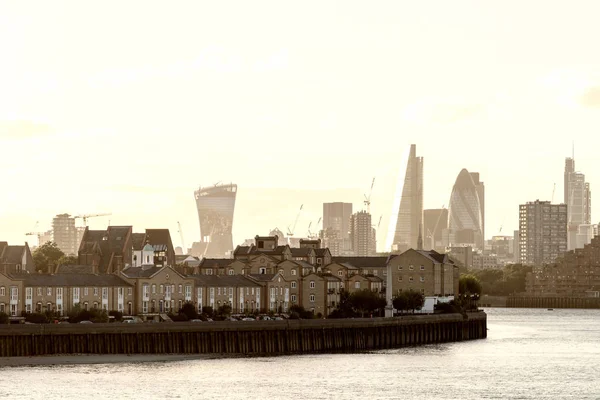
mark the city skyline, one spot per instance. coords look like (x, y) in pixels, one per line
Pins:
(94, 127)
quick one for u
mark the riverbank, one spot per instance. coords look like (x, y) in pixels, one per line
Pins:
(78, 359)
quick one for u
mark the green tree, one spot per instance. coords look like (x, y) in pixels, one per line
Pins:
(47, 255)
(366, 301)
(189, 310)
(68, 260)
(408, 300)
(469, 285)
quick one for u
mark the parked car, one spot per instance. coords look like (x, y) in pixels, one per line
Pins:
(248, 319)
(195, 320)
(85, 322)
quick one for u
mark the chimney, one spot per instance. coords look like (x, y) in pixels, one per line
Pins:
(95, 269)
(49, 269)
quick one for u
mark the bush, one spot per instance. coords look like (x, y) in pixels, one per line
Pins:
(36, 318)
(180, 317)
(208, 311)
(302, 313)
(189, 310)
(3, 318)
(118, 315)
(294, 315)
(224, 310)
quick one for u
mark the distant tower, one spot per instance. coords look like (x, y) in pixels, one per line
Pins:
(407, 211)
(579, 208)
(465, 220)
(362, 234)
(65, 234)
(215, 211)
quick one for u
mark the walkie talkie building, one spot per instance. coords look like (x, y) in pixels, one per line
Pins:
(215, 206)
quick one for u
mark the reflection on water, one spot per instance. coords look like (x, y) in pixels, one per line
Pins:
(529, 354)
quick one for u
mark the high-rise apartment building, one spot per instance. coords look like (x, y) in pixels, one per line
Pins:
(362, 234)
(215, 212)
(406, 223)
(435, 222)
(65, 234)
(542, 232)
(465, 221)
(578, 199)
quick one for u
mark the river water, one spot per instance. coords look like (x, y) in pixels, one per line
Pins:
(529, 354)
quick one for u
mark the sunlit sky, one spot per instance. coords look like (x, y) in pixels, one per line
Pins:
(126, 107)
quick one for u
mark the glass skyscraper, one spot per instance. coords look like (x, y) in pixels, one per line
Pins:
(465, 220)
(215, 212)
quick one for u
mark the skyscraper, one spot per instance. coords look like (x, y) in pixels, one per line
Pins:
(435, 222)
(362, 234)
(406, 223)
(215, 206)
(465, 221)
(336, 227)
(542, 232)
(578, 199)
(481, 194)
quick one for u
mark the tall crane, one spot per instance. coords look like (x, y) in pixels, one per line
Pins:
(367, 200)
(181, 236)
(86, 216)
(553, 190)
(36, 233)
(291, 232)
(313, 235)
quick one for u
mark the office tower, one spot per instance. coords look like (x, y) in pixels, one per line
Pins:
(362, 234)
(465, 217)
(479, 186)
(435, 222)
(215, 212)
(65, 234)
(336, 226)
(406, 223)
(542, 232)
(578, 200)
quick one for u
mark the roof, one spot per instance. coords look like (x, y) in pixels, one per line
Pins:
(329, 277)
(223, 280)
(138, 240)
(148, 247)
(301, 251)
(141, 272)
(373, 278)
(215, 262)
(13, 254)
(243, 250)
(322, 252)
(75, 269)
(304, 264)
(262, 277)
(362, 262)
(74, 280)
(435, 256)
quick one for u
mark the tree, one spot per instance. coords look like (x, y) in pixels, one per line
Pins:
(3, 318)
(409, 300)
(189, 310)
(469, 285)
(301, 312)
(400, 302)
(117, 314)
(224, 310)
(366, 301)
(47, 255)
(208, 311)
(68, 260)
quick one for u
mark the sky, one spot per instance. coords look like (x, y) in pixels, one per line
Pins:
(128, 107)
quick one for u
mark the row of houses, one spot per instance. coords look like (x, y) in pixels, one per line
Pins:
(139, 274)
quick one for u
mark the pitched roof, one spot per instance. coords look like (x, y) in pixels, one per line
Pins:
(138, 241)
(141, 272)
(215, 262)
(349, 266)
(74, 280)
(373, 278)
(322, 252)
(13, 254)
(304, 264)
(75, 269)
(330, 277)
(223, 280)
(243, 250)
(250, 250)
(262, 277)
(362, 262)
(435, 256)
(301, 251)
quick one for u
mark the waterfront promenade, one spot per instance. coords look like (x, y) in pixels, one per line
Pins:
(241, 338)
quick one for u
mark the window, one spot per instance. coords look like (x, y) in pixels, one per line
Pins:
(280, 291)
(162, 289)
(2, 291)
(180, 288)
(153, 288)
(218, 291)
(209, 271)
(129, 291)
(399, 267)
(356, 285)
(95, 291)
(410, 279)
(293, 297)
(422, 279)
(49, 291)
(340, 273)
(293, 285)
(231, 272)
(312, 284)
(294, 272)
(231, 291)
(104, 293)
(85, 291)
(312, 298)
(262, 271)
(411, 267)
(39, 291)
(28, 293)
(400, 279)
(422, 268)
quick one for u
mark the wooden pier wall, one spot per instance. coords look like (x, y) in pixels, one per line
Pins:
(553, 302)
(243, 338)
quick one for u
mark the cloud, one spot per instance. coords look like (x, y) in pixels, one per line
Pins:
(18, 130)
(591, 98)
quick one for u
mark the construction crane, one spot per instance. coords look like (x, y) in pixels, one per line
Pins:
(86, 216)
(181, 236)
(291, 232)
(313, 235)
(553, 190)
(367, 200)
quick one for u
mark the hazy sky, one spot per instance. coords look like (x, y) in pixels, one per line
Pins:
(129, 106)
